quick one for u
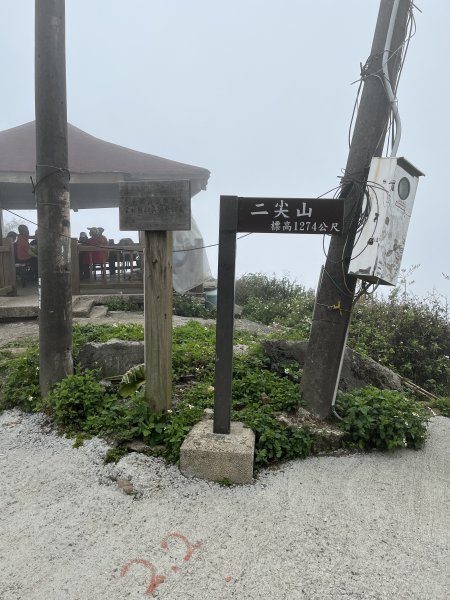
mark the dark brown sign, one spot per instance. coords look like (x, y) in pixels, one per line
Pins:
(291, 215)
(155, 206)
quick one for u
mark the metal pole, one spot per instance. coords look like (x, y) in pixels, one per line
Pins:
(52, 195)
(225, 313)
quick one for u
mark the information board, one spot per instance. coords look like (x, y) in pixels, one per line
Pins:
(155, 205)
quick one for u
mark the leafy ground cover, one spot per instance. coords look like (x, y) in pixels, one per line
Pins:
(82, 405)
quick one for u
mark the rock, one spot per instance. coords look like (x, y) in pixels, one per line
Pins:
(114, 357)
(358, 371)
(138, 446)
(328, 437)
(126, 486)
(208, 413)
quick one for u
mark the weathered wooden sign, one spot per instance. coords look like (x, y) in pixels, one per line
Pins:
(291, 215)
(157, 208)
(259, 215)
(155, 205)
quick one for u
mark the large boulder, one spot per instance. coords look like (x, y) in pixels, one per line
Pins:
(358, 371)
(114, 357)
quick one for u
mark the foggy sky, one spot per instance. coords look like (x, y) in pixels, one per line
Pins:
(259, 92)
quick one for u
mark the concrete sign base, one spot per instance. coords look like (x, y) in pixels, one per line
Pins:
(216, 456)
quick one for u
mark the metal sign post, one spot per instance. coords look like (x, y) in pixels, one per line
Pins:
(256, 215)
(157, 208)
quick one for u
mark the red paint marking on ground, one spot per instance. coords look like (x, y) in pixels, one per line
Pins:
(175, 569)
(155, 581)
(190, 547)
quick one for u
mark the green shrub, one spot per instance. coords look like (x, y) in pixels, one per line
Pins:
(179, 424)
(254, 384)
(20, 380)
(441, 406)
(275, 441)
(271, 300)
(382, 419)
(187, 305)
(258, 285)
(76, 402)
(113, 455)
(118, 303)
(193, 352)
(407, 334)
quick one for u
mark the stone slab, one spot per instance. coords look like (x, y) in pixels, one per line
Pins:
(113, 357)
(15, 311)
(216, 456)
(82, 306)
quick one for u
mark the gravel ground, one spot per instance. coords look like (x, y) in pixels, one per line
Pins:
(373, 526)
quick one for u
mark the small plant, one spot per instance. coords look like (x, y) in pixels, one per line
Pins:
(275, 441)
(20, 380)
(132, 380)
(441, 406)
(383, 419)
(76, 402)
(113, 455)
(193, 352)
(179, 424)
(271, 300)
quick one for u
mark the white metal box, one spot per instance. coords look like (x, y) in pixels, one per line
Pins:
(378, 250)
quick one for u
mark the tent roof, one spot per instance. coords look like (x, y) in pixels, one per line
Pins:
(96, 167)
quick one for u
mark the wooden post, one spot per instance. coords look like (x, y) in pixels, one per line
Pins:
(52, 195)
(158, 319)
(334, 300)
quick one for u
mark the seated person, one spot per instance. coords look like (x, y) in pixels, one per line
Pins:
(25, 254)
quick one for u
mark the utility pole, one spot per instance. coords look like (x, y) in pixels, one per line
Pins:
(52, 195)
(336, 288)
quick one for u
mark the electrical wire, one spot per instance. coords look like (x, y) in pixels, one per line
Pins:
(107, 247)
(365, 73)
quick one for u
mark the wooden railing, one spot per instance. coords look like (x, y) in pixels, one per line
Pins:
(120, 269)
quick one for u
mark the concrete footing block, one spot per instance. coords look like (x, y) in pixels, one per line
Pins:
(217, 456)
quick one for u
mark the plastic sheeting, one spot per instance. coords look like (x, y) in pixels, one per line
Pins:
(190, 261)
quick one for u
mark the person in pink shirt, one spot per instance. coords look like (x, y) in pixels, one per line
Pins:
(25, 254)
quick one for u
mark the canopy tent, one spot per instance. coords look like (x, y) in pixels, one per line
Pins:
(96, 169)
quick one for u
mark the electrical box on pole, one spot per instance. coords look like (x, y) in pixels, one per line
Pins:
(389, 200)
